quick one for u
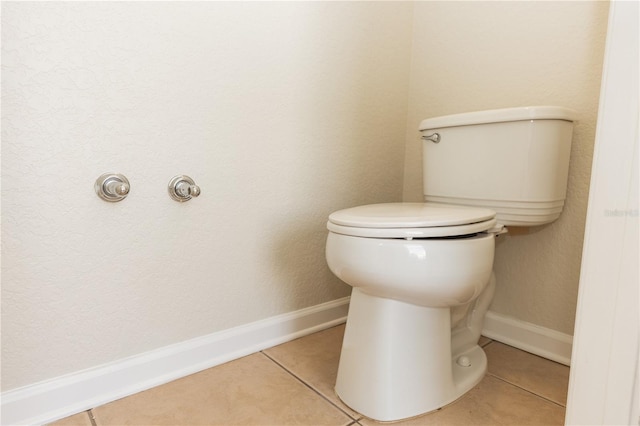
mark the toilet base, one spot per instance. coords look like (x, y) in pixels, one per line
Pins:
(396, 359)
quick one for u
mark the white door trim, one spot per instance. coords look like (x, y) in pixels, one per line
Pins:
(603, 385)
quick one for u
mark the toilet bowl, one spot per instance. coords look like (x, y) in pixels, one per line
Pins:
(422, 272)
(432, 258)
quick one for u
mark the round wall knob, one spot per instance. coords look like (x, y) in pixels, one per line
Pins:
(112, 187)
(182, 188)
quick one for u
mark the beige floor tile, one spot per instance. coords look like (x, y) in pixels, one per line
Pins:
(538, 375)
(249, 391)
(314, 359)
(484, 341)
(80, 419)
(492, 402)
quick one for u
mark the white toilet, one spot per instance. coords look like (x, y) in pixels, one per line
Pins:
(422, 272)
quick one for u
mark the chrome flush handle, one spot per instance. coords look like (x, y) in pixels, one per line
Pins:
(435, 138)
(182, 188)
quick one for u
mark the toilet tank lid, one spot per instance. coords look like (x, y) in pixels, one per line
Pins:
(499, 116)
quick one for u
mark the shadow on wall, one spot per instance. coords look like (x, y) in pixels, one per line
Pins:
(300, 268)
(349, 140)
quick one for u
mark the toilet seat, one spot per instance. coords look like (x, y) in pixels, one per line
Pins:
(411, 220)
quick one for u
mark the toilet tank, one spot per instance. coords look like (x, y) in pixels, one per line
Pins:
(514, 161)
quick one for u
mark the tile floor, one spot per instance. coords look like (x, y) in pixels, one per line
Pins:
(292, 384)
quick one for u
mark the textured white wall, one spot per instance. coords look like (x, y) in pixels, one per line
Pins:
(281, 112)
(471, 56)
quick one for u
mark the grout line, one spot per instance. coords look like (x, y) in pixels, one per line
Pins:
(93, 420)
(527, 390)
(520, 387)
(487, 344)
(312, 388)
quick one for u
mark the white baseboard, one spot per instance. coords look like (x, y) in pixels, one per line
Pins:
(529, 337)
(70, 394)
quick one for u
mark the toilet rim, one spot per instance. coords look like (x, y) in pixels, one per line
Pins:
(410, 233)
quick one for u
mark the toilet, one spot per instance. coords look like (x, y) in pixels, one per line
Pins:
(422, 273)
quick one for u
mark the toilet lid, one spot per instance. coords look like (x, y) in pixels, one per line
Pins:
(411, 220)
